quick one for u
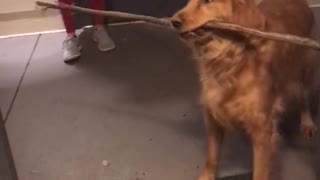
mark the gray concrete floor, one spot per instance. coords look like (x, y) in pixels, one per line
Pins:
(135, 107)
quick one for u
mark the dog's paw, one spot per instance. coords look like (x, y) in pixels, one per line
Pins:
(308, 129)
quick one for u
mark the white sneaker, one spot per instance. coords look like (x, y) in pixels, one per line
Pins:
(101, 36)
(71, 49)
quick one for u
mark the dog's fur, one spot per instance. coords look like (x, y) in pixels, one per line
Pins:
(248, 82)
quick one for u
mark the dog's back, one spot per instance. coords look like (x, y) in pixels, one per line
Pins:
(293, 66)
(288, 16)
(295, 62)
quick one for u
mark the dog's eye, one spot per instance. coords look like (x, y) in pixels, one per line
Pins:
(207, 1)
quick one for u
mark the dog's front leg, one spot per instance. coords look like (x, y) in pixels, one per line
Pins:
(215, 134)
(265, 142)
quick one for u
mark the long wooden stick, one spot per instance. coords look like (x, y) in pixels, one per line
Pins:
(307, 42)
(111, 14)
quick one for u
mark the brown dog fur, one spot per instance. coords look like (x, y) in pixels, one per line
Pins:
(248, 82)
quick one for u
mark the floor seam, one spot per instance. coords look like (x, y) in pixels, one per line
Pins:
(21, 79)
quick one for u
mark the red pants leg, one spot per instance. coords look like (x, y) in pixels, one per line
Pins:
(67, 17)
(98, 5)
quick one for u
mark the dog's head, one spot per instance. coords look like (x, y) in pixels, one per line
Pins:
(198, 12)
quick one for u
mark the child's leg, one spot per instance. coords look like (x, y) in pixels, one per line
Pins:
(98, 21)
(71, 47)
(100, 34)
(67, 18)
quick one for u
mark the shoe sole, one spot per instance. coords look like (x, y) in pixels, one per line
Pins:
(107, 49)
(73, 58)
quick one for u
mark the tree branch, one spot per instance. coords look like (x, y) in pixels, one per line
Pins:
(307, 42)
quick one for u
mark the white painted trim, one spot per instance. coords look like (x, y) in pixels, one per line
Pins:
(62, 30)
(30, 34)
(315, 5)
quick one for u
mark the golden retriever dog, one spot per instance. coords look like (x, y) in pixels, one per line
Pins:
(247, 82)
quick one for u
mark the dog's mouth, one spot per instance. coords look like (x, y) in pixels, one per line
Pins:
(189, 35)
(196, 33)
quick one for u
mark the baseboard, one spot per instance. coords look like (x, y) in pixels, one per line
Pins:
(29, 22)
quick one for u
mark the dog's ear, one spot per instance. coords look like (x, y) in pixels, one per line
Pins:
(245, 2)
(238, 3)
(242, 2)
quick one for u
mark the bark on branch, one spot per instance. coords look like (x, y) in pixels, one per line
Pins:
(307, 42)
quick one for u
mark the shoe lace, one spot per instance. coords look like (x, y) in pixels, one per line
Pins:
(69, 43)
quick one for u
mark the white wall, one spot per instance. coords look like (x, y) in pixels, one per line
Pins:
(13, 6)
(22, 16)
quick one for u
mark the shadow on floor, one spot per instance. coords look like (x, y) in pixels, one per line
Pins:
(155, 72)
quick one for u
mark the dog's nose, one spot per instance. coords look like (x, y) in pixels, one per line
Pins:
(176, 24)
